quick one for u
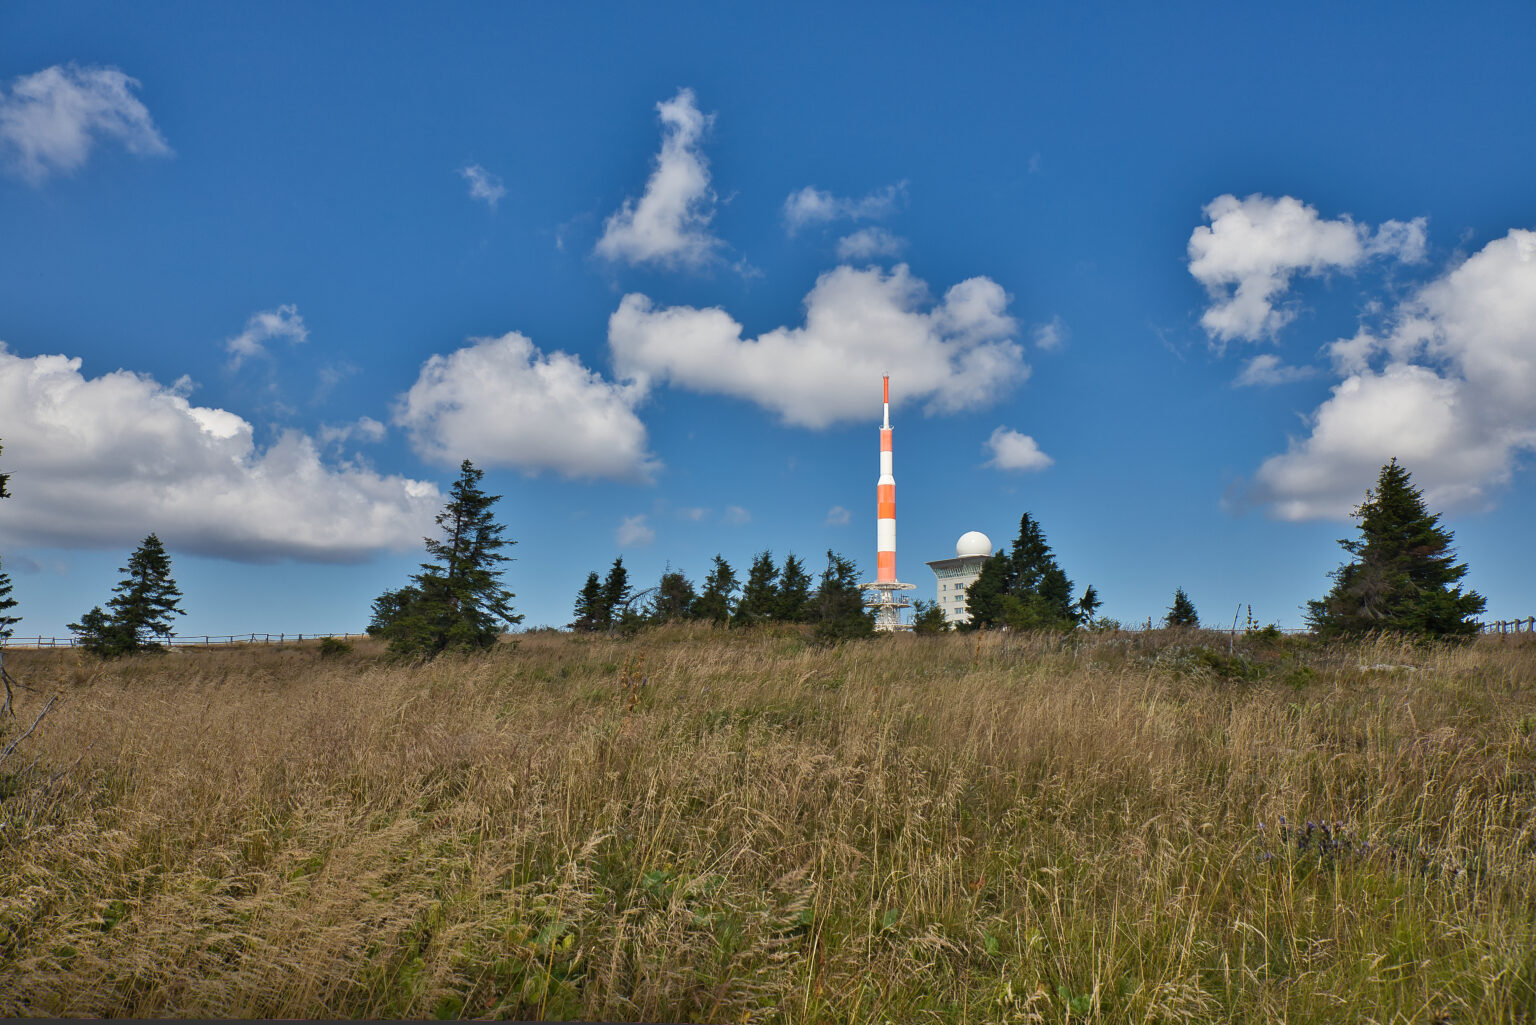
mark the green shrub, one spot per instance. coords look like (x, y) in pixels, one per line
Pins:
(1228, 667)
(332, 647)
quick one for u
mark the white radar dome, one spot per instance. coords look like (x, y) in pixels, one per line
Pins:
(973, 542)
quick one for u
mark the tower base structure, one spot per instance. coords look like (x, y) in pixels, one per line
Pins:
(884, 599)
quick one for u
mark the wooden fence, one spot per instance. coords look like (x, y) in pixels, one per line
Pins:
(1512, 627)
(187, 641)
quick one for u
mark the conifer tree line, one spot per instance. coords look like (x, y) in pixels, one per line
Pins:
(1403, 578)
(770, 594)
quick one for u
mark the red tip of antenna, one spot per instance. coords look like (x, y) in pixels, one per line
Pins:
(886, 382)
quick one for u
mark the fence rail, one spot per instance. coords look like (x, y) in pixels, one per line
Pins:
(1511, 627)
(184, 641)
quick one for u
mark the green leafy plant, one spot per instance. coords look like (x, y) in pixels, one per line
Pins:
(1079, 1005)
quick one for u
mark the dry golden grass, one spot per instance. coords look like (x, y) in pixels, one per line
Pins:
(949, 829)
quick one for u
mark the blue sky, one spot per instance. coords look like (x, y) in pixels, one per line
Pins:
(1175, 280)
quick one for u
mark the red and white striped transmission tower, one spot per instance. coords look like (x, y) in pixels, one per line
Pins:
(883, 595)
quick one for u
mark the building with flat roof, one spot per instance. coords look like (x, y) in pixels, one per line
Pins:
(954, 575)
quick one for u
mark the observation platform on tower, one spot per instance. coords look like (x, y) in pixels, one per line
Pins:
(885, 599)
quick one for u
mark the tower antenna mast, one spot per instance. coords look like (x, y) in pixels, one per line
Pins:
(884, 596)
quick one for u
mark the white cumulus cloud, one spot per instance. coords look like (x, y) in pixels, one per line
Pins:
(633, 531)
(837, 516)
(50, 120)
(869, 244)
(811, 205)
(1252, 248)
(483, 185)
(953, 354)
(1014, 451)
(736, 515)
(104, 461)
(669, 224)
(281, 323)
(503, 402)
(1449, 389)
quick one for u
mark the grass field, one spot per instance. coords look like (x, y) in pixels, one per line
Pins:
(1004, 829)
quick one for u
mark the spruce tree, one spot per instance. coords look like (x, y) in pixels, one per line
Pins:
(458, 601)
(674, 598)
(714, 602)
(1025, 589)
(140, 608)
(1403, 578)
(99, 635)
(6, 601)
(984, 596)
(839, 604)
(1038, 581)
(794, 592)
(1087, 605)
(760, 595)
(148, 598)
(928, 617)
(1182, 611)
(389, 606)
(616, 590)
(590, 613)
